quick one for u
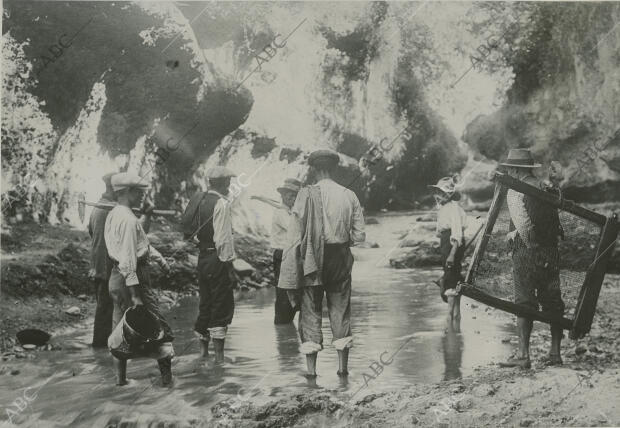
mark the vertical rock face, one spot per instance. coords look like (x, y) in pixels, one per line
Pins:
(563, 103)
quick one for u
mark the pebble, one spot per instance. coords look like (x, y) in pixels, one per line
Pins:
(580, 349)
(29, 346)
(15, 372)
(82, 297)
(73, 310)
(526, 422)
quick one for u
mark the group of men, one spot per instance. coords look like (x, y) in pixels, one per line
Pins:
(313, 229)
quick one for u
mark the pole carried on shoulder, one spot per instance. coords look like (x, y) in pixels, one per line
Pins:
(82, 202)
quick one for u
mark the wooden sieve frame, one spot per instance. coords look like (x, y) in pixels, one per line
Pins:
(591, 287)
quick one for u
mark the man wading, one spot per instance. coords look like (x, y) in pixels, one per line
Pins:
(535, 257)
(208, 217)
(282, 217)
(330, 220)
(130, 283)
(101, 267)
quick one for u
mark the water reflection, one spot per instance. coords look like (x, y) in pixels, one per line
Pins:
(452, 346)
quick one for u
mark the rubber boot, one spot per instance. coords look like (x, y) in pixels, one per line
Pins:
(218, 345)
(121, 371)
(165, 368)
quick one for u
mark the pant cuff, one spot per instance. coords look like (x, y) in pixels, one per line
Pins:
(310, 348)
(343, 343)
(165, 350)
(218, 332)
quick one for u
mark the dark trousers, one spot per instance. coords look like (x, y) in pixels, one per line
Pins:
(103, 313)
(284, 311)
(217, 302)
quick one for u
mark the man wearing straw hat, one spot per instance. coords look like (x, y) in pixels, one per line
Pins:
(101, 267)
(535, 257)
(210, 214)
(129, 283)
(282, 217)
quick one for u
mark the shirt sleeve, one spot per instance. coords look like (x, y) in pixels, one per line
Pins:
(357, 224)
(128, 252)
(222, 226)
(456, 225)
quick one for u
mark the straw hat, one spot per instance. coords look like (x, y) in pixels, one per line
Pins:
(520, 158)
(290, 184)
(446, 185)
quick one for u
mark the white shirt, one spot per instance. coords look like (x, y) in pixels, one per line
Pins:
(342, 213)
(451, 216)
(126, 241)
(222, 229)
(279, 227)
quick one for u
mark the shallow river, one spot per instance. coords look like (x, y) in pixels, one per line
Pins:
(397, 316)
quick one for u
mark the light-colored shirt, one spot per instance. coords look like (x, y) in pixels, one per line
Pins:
(126, 241)
(279, 227)
(518, 213)
(343, 220)
(453, 217)
(222, 229)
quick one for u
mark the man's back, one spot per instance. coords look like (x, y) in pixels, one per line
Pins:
(342, 213)
(99, 253)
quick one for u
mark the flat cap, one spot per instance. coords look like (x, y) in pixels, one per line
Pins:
(220, 172)
(125, 180)
(323, 155)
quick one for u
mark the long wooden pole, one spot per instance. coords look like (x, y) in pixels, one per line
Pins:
(105, 206)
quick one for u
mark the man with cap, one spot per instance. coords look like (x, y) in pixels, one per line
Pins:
(101, 267)
(535, 229)
(130, 251)
(210, 213)
(282, 216)
(331, 221)
(451, 223)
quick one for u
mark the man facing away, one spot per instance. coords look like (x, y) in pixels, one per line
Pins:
(101, 267)
(282, 217)
(535, 257)
(130, 285)
(331, 212)
(211, 215)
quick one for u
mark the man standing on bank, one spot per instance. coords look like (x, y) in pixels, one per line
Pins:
(535, 257)
(210, 214)
(101, 267)
(331, 221)
(130, 283)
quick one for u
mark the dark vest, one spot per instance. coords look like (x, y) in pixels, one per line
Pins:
(205, 220)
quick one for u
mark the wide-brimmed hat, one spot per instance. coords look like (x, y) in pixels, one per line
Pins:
(220, 172)
(323, 155)
(446, 185)
(291, 185)
(520, 158)
(125, 180)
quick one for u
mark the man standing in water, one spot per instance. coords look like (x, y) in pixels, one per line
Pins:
(331, 212)
(211, 216)
(535, 257)
(129, 249)
(101, 267)
(282, 216)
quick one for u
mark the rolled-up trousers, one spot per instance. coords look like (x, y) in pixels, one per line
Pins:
(103, 313)
(217, 302)
(336, 278)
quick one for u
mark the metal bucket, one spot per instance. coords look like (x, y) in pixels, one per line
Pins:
(137, 333)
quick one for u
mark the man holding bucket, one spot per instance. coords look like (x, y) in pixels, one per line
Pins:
(146, 334)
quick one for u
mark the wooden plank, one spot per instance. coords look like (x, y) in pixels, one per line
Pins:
(588, 296)
(496, 205)
(550, 198)
(519, 310)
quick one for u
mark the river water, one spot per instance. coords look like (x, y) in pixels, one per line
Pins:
(401, 338)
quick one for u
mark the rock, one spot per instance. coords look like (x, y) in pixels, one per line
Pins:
(483, 390)
(15, 372)
(20, 355)
(465, 403)
(242, 267)
(580, 349)
(29, 346)
(83, 297)
(371, 220)
(506, 340)
(427, 217)
(73, 310)
(526, 422)
(594, 348)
